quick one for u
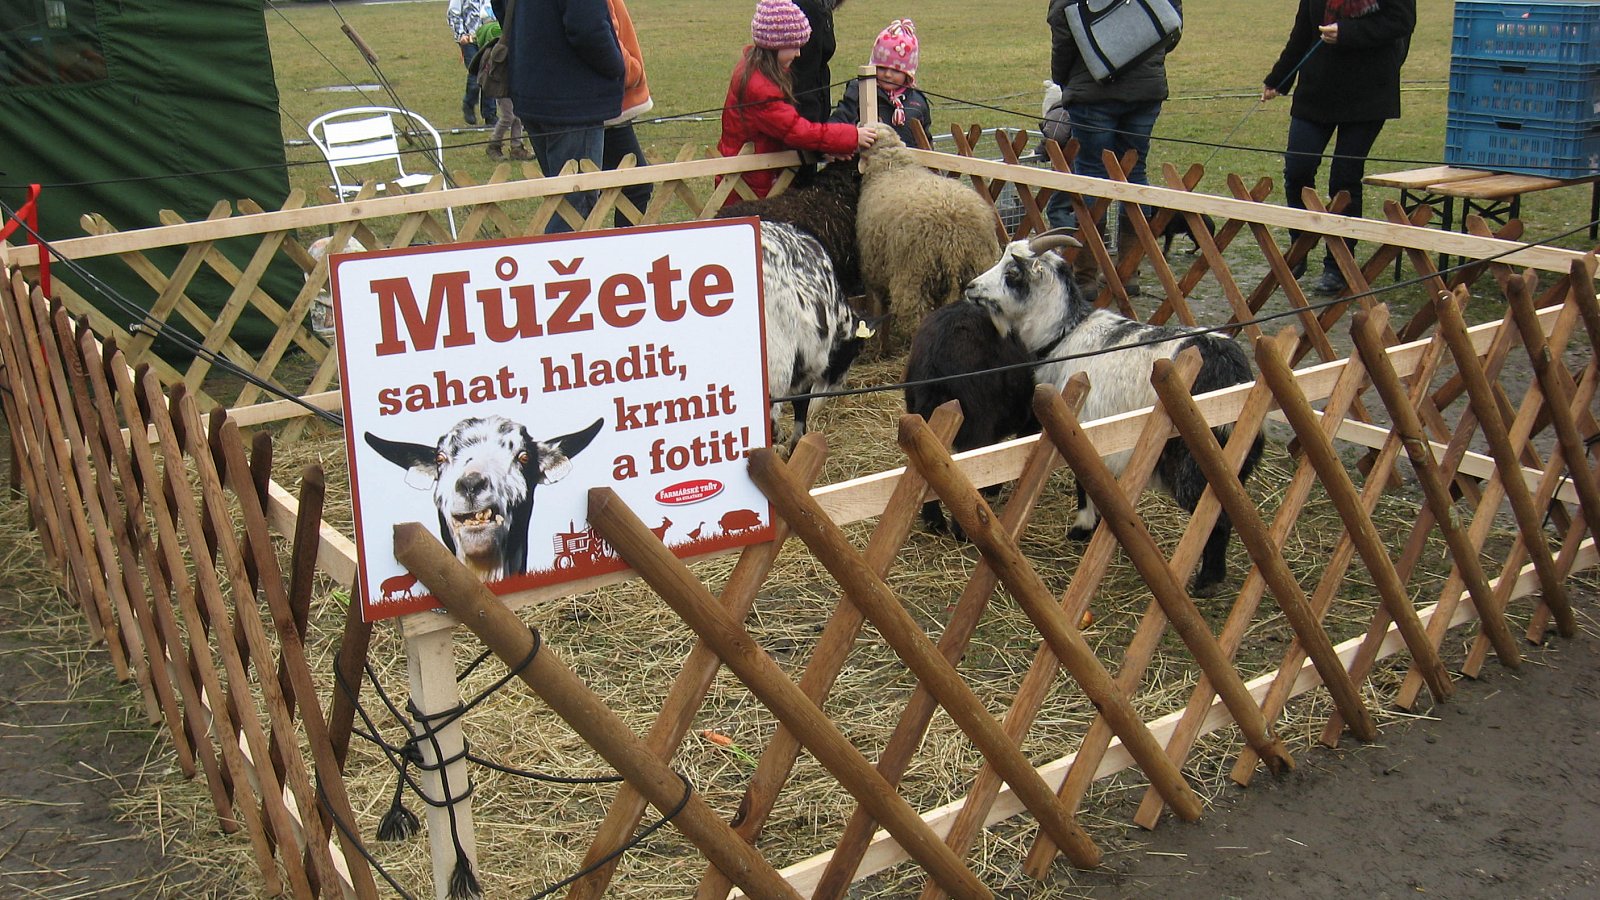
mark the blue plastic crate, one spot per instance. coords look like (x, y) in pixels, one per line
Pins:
(1529, 30)
(1551, 92)
(1531, 148)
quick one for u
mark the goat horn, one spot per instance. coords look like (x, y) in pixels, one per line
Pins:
(1053, 239)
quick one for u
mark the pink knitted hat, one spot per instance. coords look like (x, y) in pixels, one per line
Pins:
(896, 47)
(779, 25)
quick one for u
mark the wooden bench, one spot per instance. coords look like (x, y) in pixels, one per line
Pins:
(1496, 196)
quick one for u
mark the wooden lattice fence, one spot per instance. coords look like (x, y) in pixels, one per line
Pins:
(160, 524)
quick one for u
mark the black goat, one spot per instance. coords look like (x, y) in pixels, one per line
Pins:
(825, 208)
(957, 340)
(1179, 225)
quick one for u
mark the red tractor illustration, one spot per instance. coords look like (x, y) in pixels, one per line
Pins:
(573, 546)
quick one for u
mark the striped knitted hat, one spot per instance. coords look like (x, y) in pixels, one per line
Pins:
(779, 25)
(896, 47)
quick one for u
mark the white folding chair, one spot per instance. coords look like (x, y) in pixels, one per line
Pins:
(366, 135)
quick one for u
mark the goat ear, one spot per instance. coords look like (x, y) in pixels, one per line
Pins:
(868, 327)
(420, 461)
(555, 456)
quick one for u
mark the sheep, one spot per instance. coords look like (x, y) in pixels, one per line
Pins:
(957, 340)
(813, 335)
(825, 208)
(922, 236)
(1030, 293)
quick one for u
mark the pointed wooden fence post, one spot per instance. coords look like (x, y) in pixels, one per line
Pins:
(1118, 511)
(689, 689)
(1493, 426)
(689, 598)
(1252, 531)
(896, 626)
(1028, 589)
(1336, 481)
(1366, 328)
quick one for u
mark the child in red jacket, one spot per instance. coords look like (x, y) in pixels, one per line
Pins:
(760, 106)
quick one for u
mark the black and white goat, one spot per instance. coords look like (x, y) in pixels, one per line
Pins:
(483, 472)
(961, 340)
(813, 335)
(1031, 294)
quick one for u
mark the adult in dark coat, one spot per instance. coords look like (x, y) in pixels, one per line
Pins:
(812, 79)
(567, 76)
(1346, 55)
(1117, 116)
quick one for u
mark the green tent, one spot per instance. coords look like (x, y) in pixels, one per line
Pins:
(128, 107)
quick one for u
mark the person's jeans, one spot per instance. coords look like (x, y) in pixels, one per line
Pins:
(554, 146)
(473, 96)
(1352, 141)
(507, 123)
(1115, 125)
(620, 141)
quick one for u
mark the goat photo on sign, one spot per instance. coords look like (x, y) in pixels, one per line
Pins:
(483, 472)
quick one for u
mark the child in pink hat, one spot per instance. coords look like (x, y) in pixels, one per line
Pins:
(899, 102)
(760, 107)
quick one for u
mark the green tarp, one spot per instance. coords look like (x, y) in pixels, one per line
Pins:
(129, 107)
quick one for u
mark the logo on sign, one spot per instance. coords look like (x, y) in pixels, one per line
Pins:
(686, 492)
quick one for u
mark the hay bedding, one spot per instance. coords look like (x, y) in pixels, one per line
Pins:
(628, 646)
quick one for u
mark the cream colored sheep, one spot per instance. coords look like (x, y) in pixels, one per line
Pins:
(922, 236)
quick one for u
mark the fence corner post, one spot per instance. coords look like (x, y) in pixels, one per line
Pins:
(430, 667)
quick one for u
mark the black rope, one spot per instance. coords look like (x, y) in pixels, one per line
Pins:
(349, 836)
(637, 839)
(698, 114)
(463, 882)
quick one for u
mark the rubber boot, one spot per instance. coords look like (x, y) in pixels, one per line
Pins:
(1086, 275)
(1131, 282)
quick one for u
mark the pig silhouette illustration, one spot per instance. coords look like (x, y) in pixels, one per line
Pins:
(735, 521)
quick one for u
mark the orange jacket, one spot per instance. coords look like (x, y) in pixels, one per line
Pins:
(635, 88)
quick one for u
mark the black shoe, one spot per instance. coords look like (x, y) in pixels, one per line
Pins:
(1298, 270)
(1330, 283)
(468, 113)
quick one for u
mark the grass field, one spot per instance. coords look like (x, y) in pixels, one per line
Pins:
(992, 62)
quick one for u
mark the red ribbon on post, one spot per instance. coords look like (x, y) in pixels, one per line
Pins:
(29, 213)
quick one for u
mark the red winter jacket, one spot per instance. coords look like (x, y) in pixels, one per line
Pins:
(762, 115)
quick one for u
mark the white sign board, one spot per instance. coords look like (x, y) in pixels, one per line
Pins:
(489, 386)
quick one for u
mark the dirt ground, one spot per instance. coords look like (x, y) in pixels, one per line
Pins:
(1493, 794)
(69, 751)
